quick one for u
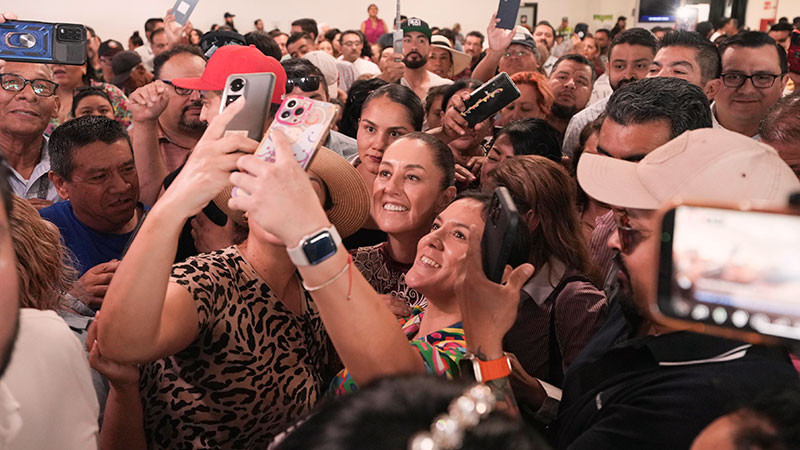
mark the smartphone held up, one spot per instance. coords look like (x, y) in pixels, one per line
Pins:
(306, 123)
(731, 272)
(43, 42)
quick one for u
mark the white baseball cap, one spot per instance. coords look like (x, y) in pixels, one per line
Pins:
(705, 165)
(327, 65)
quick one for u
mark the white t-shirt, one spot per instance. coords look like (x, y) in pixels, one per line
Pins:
(50, 379)
(364, 67)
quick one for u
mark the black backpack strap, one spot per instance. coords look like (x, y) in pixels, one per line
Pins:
(554, 360)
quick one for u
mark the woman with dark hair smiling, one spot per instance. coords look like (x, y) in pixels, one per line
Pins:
(388, 113)
(414, 184)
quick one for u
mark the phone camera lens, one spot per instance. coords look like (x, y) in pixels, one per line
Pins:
(285, 115)
(298, 111)
(291, 104)
(231, 99)
(237, 84)
(70, 33)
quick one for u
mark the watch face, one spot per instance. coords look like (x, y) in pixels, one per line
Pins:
(468, 369)
(319, 247)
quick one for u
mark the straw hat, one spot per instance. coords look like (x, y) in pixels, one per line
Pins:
(346, 189)
(460, 60)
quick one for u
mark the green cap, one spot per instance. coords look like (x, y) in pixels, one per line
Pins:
(416, 24)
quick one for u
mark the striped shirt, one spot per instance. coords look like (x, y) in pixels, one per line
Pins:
(580, 310)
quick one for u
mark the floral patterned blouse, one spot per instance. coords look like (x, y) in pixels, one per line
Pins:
(441, 352)
(386, 275)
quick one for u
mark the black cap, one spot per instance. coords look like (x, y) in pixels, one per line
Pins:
(213, 40)
(109, 48)
(227, 14)
(122, 63)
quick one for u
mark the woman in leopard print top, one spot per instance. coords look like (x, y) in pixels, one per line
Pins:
(232, 346)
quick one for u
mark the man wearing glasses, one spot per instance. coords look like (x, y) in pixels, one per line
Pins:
(27, 103)
(351, 52)
(639, 383)
(166, 119)
(753, 77)
(510, 51)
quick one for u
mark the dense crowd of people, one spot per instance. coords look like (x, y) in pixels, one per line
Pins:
(144, 305)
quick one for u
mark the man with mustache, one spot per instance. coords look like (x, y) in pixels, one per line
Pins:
(93, 170)
(411, 71)
(571, 82)
(166, 124)
(638, 384)
(629, 57)
(754, 76)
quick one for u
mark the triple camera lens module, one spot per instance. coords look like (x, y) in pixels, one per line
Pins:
(70, 33)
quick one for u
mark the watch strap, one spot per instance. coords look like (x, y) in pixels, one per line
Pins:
(494, 369)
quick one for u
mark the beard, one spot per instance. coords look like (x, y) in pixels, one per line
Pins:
(624, 295)
(622, 82)
(187, 124)
(563, 112)
(415, 63)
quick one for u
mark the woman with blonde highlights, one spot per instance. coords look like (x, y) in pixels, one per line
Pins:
(43, 264)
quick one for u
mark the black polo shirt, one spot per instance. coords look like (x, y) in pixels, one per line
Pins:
(658, 392)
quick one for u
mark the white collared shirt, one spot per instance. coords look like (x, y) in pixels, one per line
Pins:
(544, 281)
(715, 123)
(38, 185)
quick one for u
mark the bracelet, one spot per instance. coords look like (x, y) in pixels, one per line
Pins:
(333, 279)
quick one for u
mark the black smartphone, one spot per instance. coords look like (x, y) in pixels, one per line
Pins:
(43, 42)
(731, 272)
(581, 30)
(183, 9)
(499, 234)
(794, 52)
(257, 89)
(507, 13)
(490, 98)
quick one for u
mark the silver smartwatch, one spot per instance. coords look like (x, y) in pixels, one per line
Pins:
(315, 247)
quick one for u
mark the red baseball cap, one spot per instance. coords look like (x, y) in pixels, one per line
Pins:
(232, 59)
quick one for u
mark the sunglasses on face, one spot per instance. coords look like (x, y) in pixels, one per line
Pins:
(629, 237)
(306, 84)
(12, 82)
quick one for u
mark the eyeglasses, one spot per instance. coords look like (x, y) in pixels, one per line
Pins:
(351, 43)
(760, 80)
(306, 84)
(518, 53)
(179, 90)
(12, 82)
(629, 237)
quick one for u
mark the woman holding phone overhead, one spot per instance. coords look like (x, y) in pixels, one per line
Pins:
(216, 333)
(363, 330)
(388, 113)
